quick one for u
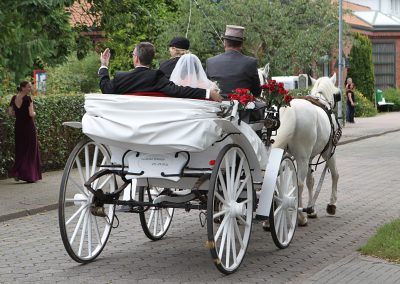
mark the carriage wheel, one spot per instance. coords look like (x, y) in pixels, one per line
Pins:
(84, 234)
(283, 215)
(230, 209)
(155, 221)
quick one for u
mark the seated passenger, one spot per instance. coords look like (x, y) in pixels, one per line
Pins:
(189, 72)
(144, 79)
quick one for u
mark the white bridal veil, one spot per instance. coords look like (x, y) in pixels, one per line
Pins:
(189, 72)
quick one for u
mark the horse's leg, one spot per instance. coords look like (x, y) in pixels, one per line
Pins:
(302, 168)
(331, 208)
(310, 185)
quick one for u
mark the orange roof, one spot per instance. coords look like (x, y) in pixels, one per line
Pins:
(350, 18)
(79, 15)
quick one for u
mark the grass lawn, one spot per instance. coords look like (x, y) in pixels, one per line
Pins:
(386, 243)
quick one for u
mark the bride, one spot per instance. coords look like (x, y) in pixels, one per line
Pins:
(189, 72)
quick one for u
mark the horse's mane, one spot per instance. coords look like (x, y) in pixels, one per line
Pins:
(325, 89)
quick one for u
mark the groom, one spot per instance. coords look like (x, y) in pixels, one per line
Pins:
(232, 69)
(144, 79)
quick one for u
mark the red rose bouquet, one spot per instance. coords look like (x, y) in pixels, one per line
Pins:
(243, 96)
(275, 94)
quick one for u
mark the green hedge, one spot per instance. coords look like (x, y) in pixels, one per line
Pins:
(392, 96)
(56, 141)
(364, 107)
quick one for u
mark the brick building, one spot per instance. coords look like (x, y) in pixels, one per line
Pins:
(378, 21)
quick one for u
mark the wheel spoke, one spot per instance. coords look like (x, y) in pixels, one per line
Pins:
(83, 206)
(96, 230)
(228, 243)
(222, 183)
(221, 227)
(95, 156)
(238, 235)
(232, 173)
(244, 183)
(223, 239)
(238, 175)
(89, 234)
(220, 198)
(83, 233)
(233, 243)
(222, 212)
(87, 162)
(228, 178)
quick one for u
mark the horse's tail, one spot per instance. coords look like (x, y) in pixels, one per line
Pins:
(286, 130)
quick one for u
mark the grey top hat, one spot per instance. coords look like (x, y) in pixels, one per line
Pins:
(235, 33)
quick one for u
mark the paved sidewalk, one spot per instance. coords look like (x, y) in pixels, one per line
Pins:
(20, 199)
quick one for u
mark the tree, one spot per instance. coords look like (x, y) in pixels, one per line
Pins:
(291, 35)
(128, 22)
(361, 67)
(33, 32)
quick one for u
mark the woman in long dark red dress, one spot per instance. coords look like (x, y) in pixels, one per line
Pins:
(27, 156)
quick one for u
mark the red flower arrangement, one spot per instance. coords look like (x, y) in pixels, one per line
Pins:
(242, 95)
(276, 94)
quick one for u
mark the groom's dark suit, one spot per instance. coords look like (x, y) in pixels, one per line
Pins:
(234, 70)
(142, 79)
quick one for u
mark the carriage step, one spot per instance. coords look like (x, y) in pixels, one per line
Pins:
(174, 199)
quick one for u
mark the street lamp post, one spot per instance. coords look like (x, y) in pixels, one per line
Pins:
(340, 64)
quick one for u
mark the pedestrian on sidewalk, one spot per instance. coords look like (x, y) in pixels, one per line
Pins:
(350, 101)
(27, 156)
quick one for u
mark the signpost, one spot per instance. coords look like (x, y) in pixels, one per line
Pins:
(39, 82)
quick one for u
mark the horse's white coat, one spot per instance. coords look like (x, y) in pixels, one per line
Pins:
(304, 132)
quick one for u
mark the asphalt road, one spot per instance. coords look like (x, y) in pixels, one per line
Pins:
(31, 249)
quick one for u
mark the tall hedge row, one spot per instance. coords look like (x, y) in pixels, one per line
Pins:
(56, 141)
(361, 67)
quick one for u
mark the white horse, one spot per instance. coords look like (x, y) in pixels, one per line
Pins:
(305, 132)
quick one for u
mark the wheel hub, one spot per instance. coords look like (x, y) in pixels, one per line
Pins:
(80, 199)
(237, 209)
(289, 202)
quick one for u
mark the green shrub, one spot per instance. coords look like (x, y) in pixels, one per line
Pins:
(77, 76)
(393, 96)
(56, 141)
(364, 107)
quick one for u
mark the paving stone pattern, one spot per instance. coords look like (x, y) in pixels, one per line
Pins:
(31, 249)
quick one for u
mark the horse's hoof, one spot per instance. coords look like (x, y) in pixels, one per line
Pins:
(331, 209)
(266, 227)
(312, 215)
(302, 222)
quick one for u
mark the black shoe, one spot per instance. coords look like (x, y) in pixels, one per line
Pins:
(124, 209)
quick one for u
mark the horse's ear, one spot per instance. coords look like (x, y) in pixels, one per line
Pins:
(312, 80)
(333, 78)
(266, 71)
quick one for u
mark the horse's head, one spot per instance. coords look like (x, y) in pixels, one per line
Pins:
(263, 74)
(325, 89)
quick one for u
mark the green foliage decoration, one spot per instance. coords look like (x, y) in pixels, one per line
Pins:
(74, 76)
(56, 141)
(361, 67)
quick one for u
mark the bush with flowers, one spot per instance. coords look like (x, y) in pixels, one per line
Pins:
(275, 94)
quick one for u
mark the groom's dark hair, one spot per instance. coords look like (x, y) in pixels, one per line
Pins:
(145, 51)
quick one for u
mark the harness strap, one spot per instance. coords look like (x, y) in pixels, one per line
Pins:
(334, 135)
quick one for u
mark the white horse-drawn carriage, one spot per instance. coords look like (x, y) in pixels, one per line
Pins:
(183, 154)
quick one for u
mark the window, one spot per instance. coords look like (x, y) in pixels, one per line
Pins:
(384, 59)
